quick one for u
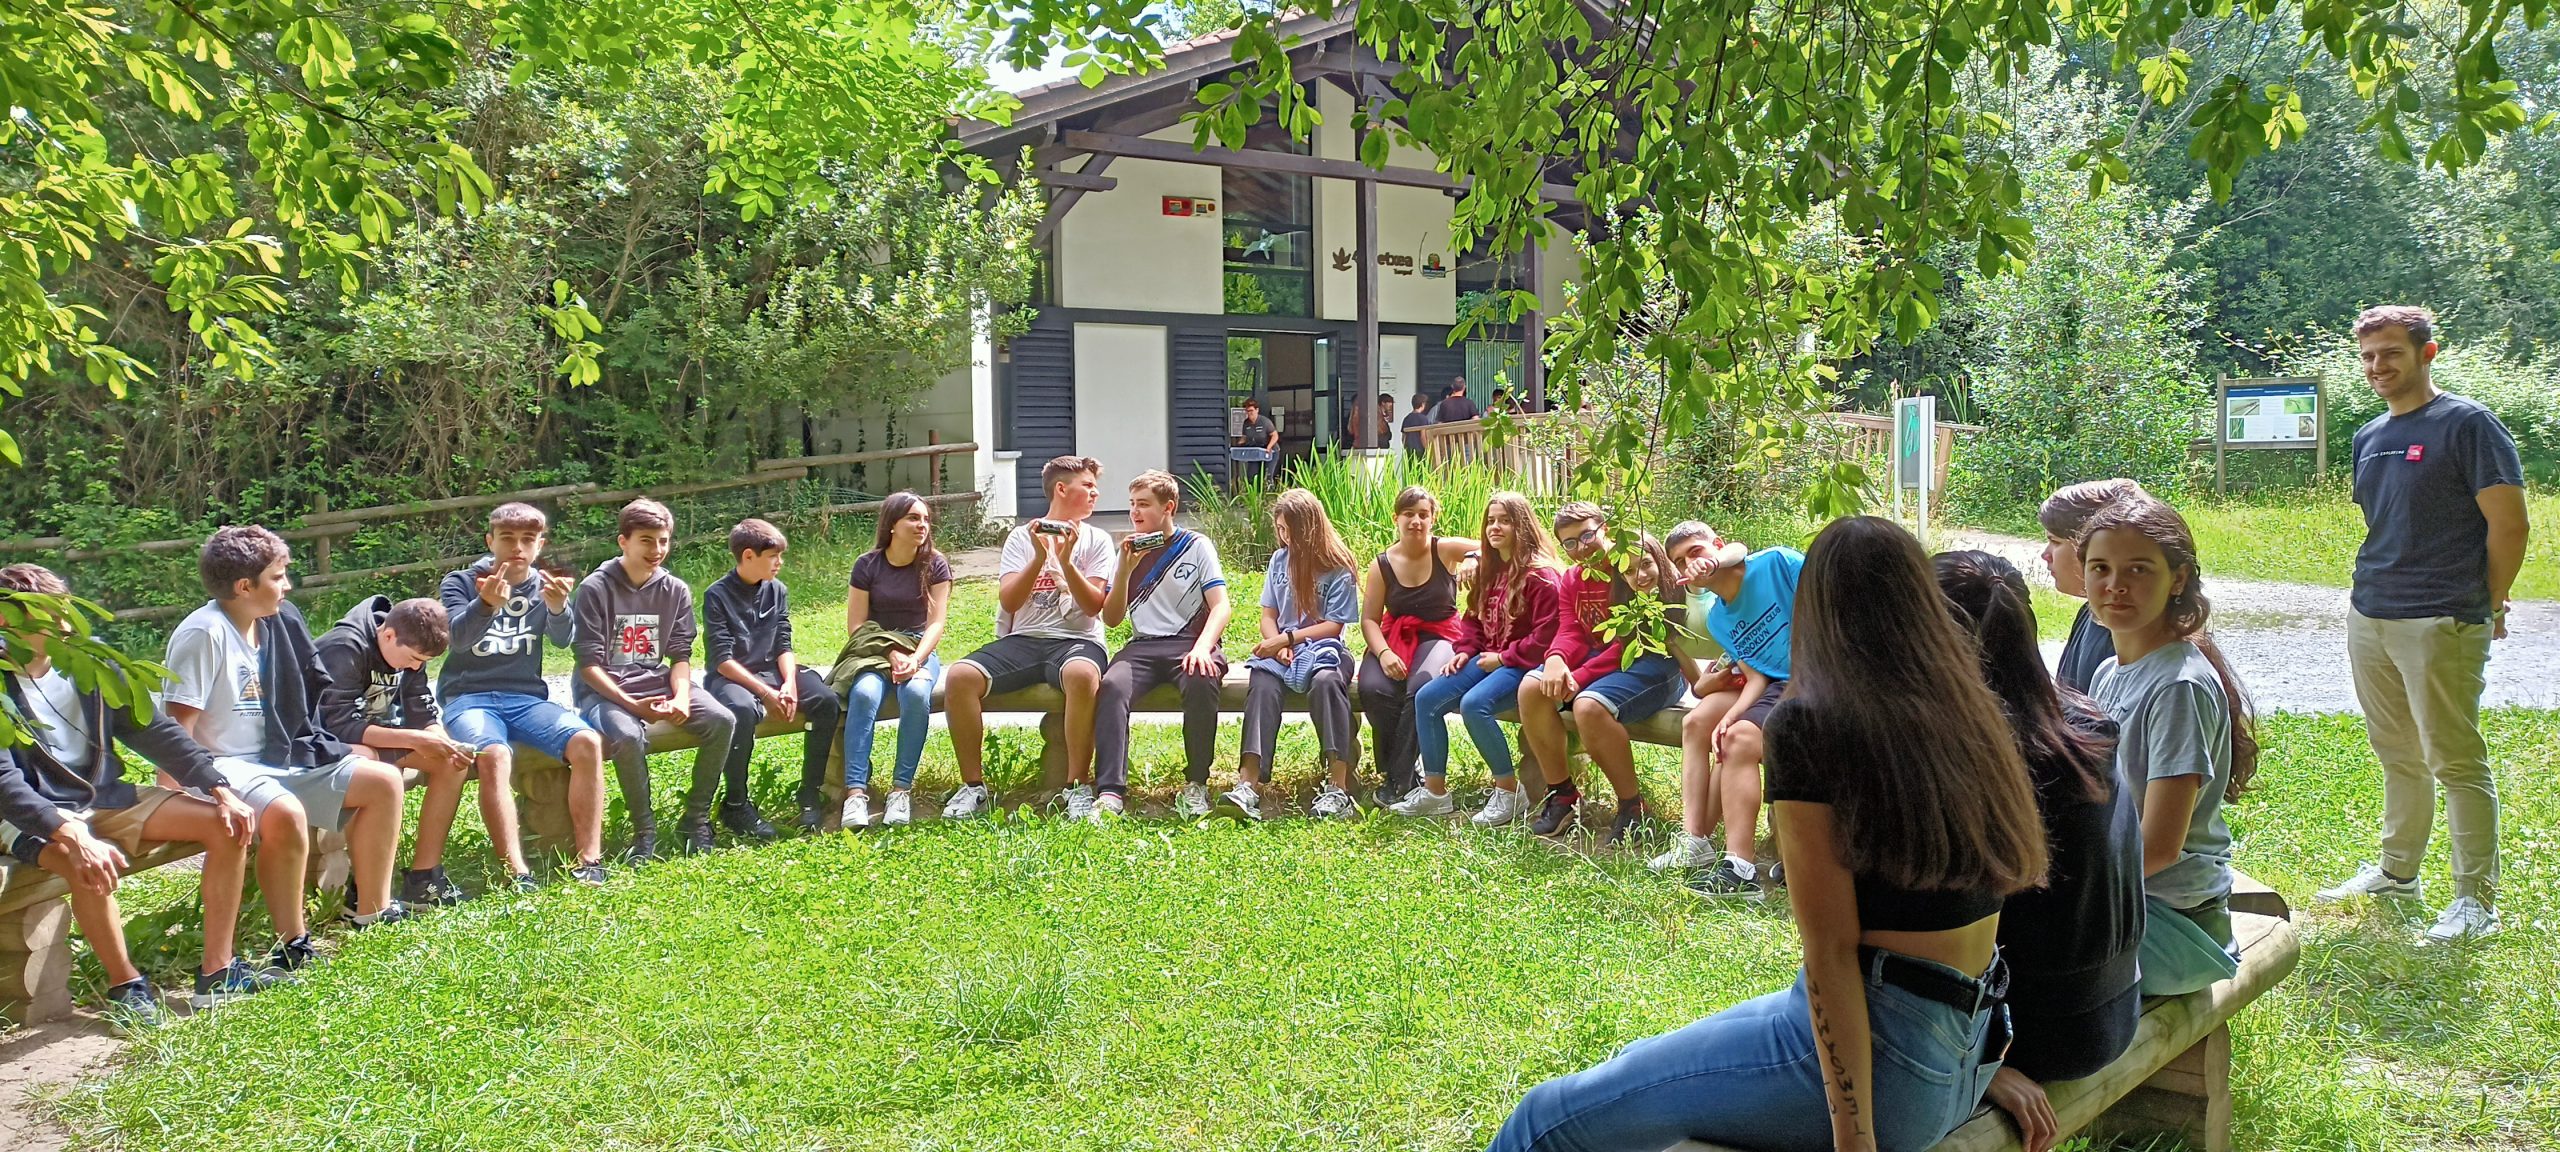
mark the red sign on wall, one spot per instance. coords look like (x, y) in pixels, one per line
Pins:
(1189, 206)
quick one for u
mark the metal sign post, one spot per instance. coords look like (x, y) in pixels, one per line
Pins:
(2278, 412)
(1915, 451)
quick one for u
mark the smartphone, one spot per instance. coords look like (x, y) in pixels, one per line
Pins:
(1148, 541)
(550, 565)
(1052, 528)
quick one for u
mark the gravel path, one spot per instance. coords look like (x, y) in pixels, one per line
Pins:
(2289, 641)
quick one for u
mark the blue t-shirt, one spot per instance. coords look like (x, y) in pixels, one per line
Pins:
(2418, 479)
(1758, 628)
(1337, 595)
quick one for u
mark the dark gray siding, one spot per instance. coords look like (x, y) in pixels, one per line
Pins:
(1199, 420)
(1044, 403)
(1439, 363)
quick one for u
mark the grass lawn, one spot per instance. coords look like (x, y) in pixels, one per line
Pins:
(2312, 537)
(1036, 985)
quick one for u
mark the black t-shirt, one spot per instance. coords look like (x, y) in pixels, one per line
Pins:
(1257, 433)
(898, 595)
(1414, 422)
(2418, 479)
(2073, 944)
(1457, 407)
(2088, 649)
(1798, 753)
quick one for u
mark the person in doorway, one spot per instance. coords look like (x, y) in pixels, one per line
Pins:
(1906, 817)
(1386, 420)
(896, 603)
(1261, 434)
(378, 701)
(1051, 585)
(2185, 734)
(746, 617)
(1414, 422)
(2442, 489)
(2062, 514)
(1172, 591)
(1455, 406)
(1512, 613)
(1408, 621)
(1310, 597)
(635, 636)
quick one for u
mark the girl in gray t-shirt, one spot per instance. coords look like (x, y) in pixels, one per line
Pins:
(2186, 735)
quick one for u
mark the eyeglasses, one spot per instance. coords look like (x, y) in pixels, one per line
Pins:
(1588, 536)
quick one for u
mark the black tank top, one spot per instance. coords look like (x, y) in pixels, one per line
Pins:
(1436, 598)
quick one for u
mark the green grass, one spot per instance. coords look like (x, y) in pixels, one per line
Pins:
(1156, 985)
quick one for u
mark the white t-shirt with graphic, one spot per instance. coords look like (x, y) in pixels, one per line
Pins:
(214, 669)
(1170, 585)
(1052, 612)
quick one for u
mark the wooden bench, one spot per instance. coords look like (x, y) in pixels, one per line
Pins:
(542, 783)
(2176, 1077)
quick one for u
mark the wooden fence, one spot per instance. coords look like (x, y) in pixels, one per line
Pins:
(324, 524)
(1544, 472)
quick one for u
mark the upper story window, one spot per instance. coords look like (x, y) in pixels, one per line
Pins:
(1270, 233)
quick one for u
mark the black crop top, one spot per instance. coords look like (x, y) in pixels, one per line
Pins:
(1798, 753)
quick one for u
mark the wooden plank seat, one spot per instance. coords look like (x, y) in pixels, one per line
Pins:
(2176, 1077)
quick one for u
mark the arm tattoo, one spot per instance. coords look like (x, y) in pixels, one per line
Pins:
(1848, 1105)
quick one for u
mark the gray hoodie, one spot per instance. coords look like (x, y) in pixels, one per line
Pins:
(497, 650)
(632, 632)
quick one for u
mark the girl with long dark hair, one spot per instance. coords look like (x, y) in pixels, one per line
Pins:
(2074, 995)
(901, 587)
(1905, 818)
(1510, 616)
(2187, 740)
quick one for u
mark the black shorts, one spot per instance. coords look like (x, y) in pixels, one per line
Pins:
(1757, 715)
(1013, 663)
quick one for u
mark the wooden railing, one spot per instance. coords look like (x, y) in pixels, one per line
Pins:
(1868, 437)
(1871, 437)
(324, 524)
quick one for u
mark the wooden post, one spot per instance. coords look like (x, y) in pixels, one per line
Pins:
(1053, 749)
(35, 961)
(542, 790)
(1533, 330)
(1368, 313)
(933, 464)
(320, 547)
(2189, 1097)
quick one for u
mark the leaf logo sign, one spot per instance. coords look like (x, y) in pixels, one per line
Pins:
(1341, 259)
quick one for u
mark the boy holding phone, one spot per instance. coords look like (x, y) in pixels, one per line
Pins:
(1171, 590)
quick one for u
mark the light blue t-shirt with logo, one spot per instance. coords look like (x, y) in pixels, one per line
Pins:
(2172, 720)
(1758, 627)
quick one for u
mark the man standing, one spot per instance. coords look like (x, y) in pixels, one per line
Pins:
(1457, 407)
(1257, 433)
(2442, 490)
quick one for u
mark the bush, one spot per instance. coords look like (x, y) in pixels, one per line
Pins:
(2524, 394)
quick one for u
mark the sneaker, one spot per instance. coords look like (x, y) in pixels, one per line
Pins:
(812, 818)
(2369, 880)
(697, 834)
(591, 874)
(392, 912)
(1686, 852)
(1632, 821)
(644, 847)
(1502, 807)
(1334, 804)
(1108, 806)
(217, 988)
(969, 801)
(1193, 803)
(901, 809)
(2464, 919)
(1727, 879)
(1246, 799)
(1423, 802)
(746, 821)
(428, 889)
(134, 1004)
(290, 955)
(1557, 814)
(1079, 802)
(524, 884)
(856, 812)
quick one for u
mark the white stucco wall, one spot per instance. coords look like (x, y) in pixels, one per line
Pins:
(1118, 249)
(1413, 223)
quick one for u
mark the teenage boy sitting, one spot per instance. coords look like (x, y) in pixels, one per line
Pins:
(378, 700)
(243, 681)
(747, 621)
(501, 609)
(64, 798)
(1051, 584)
(1747, 600)
(635, 665)
(1171, 590)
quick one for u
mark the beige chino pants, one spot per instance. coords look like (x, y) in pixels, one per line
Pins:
(2419, 682)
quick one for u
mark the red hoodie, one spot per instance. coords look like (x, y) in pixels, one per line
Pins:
(1578, 640)
(1522, 640)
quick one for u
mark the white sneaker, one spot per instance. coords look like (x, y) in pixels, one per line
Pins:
(2464, 919)
(900, 809)
(969, 801)
(857, 810)
(2369, 880)
(1689, 852)
(1246, 799)
(1079, 802)
(1107, 807)
(1421, 802)
(1193, 803)
(1333, 804)
(1503, 807)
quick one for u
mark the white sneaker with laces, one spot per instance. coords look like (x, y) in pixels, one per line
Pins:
(1247, 799)
(969, 801)
(1079, 802)
(2464, 919)
(1107, 807)
(1421, 802)
(1333, 804)
(901, 808)
(1193, 803)
(1503, 807)
(1689, 852)
(2369, 880)
(857, 811)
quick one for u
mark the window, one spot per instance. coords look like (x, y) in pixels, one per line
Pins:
(1270, 234)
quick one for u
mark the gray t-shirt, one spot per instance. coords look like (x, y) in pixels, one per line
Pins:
(65, 734)
(1169, 588)
(2418, 479)
(214, 669)
(2173, 721)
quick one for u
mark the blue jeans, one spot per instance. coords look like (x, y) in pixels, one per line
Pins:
(915, 719)
(489, 719)
(1749, 1076)
(1475, 695)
